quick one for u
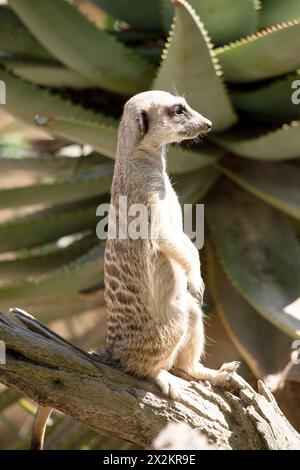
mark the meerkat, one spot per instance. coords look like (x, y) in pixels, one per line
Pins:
(153, 286)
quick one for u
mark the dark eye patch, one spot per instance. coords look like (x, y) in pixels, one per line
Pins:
(177, 110)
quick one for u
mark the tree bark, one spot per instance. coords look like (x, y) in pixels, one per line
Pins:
(55, 373)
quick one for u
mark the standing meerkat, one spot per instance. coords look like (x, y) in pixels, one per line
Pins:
(153, 286)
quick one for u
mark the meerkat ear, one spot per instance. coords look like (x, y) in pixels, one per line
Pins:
(143, 122)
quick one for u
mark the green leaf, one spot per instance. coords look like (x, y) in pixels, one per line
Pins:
(102, 137)
(25, 101)
(47, 225)
(166, 14)
(197, 76)
(227, 20)
(270, 102)
(280, 144)
(277, 185)
(191, 187)
(33, 265)
(16, 40)
(31, 104)
(63, 283)
(9, 18)
(81, 46)
(268, 53)
(80, 186)
(181, 160)
(277, 11)
(44, 165)
(140, 15)
(262, 262)
(46, 74)
(249, 331)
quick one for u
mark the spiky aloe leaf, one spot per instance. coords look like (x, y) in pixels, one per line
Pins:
(280, 144)
(277, 185)
(139, 15)
(25, 101)
(276, 11)
(93, 53)
(193, 186)
(181, 160)
(227, 20)
(166, 14)
(44, 263)
(80, 186)
(16, 40)
(249, 331)
(64, 282)
(268, 53)
(102, 137)
(270, 102)
(44, 165)
(262, 263)
(47, 225)
(32, 104)
(46, 74)
(189, 64)
(9, 18)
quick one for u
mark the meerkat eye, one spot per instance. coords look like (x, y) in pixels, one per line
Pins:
(179, 109)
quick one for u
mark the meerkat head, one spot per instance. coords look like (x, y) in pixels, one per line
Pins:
(161, 118)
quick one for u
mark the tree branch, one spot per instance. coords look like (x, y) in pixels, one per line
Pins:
(55, 373)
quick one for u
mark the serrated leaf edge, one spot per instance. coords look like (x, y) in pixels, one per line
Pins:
(258, 35)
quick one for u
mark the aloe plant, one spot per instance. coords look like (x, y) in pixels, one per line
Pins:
(235, 62)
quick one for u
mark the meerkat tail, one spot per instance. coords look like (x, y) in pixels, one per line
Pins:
(39, 427)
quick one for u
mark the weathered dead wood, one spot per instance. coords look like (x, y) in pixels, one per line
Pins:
(55, 373)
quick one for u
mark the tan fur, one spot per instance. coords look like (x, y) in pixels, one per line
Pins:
(153, 287)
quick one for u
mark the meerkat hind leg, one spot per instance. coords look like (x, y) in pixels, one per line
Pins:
(189, 357)
(219, 377)
(168, 383)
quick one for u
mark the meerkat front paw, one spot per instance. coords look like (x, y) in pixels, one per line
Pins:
(225, 372)
(195, 284)
(168, 383)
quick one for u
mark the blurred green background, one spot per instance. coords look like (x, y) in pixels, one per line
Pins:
(68, 68)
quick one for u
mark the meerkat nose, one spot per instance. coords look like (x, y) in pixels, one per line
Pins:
(208, 125)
